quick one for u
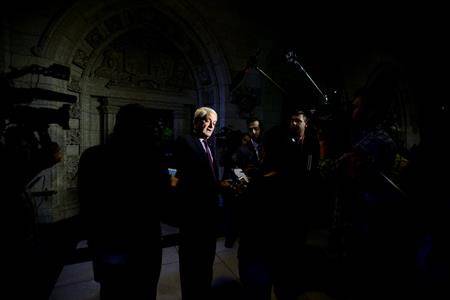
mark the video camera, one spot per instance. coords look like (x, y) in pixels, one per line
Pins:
(14, 106)
(40, 118)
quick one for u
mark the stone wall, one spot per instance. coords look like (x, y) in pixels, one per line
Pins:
(165, 54)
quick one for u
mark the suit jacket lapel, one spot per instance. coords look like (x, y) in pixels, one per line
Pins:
(199, 147)
(202, 153)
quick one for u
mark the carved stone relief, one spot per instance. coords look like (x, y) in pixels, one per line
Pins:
(95, 38)
(111, 66)
(75, 111)
(73, 137)
(71, 167)
(144, 60)
(74, 84)
(80, 59)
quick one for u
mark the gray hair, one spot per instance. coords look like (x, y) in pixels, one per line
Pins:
(202, 112)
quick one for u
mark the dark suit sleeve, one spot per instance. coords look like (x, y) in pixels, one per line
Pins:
(193, 169)
(86, 170)
(90, 184)
(180, 151)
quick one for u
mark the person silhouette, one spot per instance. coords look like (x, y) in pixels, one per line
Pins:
(120, 184)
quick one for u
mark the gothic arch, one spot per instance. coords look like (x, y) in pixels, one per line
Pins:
(83, 33)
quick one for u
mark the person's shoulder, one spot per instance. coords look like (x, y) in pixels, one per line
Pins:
(183, 137)
(96, 148)
(187, 139)
(93, 152)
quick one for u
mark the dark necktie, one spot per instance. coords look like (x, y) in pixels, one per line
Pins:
(257, 151)
(209, 155)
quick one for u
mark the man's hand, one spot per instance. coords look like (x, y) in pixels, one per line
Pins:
(173, 181)
(226, 184)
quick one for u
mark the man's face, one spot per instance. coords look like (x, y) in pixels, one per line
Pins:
(298, 124)
(254, 130)
(207, 125)
(245, 139)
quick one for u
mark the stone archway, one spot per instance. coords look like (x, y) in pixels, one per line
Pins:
(180, 66)
(87, 36)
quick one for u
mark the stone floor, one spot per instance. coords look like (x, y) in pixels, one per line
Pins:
(76, 280)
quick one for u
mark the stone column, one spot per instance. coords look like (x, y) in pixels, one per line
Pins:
(107, 113)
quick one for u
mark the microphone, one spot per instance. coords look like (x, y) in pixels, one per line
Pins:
(291, 56)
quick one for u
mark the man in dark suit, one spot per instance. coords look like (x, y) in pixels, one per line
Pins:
(248, 156)
(198, 188)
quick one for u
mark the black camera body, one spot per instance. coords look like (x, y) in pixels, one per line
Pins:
(14, 108)
(40, 118)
